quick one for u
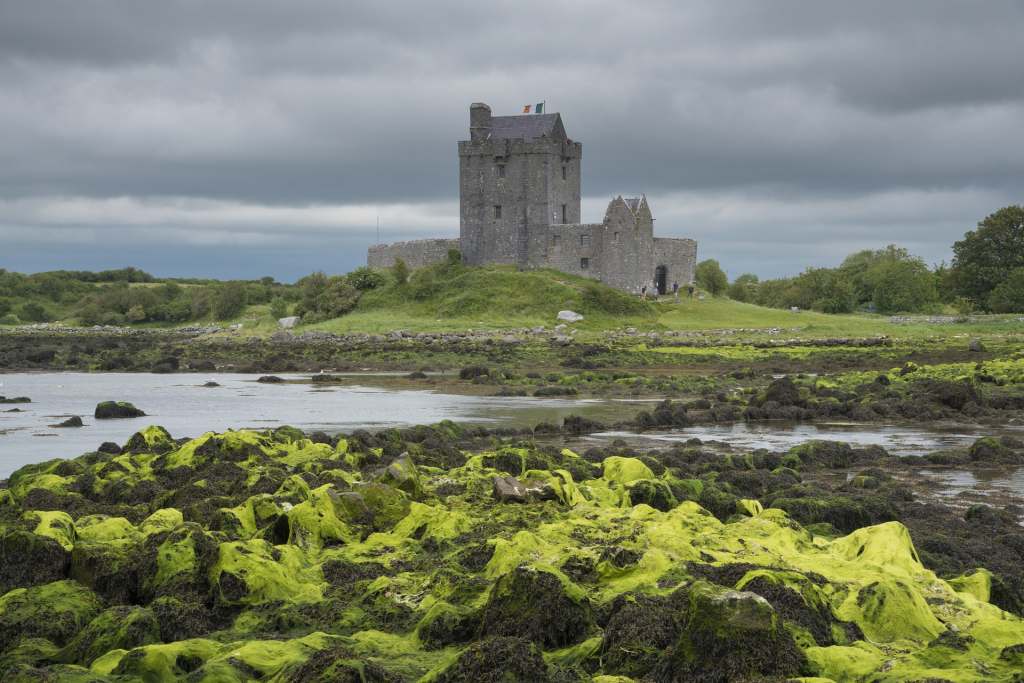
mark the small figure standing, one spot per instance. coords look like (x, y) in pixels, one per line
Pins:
(690, 290)
(675, 291)
(643, 293)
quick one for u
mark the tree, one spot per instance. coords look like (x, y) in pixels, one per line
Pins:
(744, 288)
(33, 313)
(901, 286)
(857, 268)
(400, 272)
(1008, 295)
(135, 314)
(278, 308)
(984, 257)
(711, 278)
(229, 300)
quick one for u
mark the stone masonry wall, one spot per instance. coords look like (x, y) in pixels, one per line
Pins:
(415, 253)
(679, 256)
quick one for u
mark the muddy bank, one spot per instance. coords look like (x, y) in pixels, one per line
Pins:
(464, 554)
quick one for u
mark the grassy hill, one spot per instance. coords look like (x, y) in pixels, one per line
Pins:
(489, 297)
(447, 297)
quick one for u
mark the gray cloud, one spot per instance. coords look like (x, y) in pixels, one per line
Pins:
(779, 134)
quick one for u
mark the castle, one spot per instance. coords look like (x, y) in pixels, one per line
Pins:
(519, 204)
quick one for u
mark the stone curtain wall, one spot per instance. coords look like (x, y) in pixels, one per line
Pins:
(415, 253)
(679, 256)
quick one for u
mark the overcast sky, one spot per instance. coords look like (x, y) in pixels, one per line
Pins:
(238, 138)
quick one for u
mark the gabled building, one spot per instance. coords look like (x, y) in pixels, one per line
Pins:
(519, 204)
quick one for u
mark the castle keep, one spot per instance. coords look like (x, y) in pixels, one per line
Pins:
(519, 204)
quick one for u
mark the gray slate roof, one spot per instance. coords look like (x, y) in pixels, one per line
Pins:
(527, 126)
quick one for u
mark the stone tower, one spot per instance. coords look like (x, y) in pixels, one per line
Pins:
(518, 175)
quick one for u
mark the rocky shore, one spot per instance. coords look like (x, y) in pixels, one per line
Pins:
(458, 554)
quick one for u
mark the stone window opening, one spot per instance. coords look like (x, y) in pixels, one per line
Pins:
(501, 170)
(556, 240)
(585, 239)
(497, 211)
(584, 263)
(615, 238)
(564, 214)
(564, 173)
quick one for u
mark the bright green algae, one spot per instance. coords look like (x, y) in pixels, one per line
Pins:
(263, 555)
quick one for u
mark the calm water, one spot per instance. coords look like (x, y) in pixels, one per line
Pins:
(897, 439)
(185, 408)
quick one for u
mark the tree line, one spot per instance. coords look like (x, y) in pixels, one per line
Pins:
(986, 274)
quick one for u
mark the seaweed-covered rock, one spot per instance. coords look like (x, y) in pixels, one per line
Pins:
(652, 492)
(152, 439)
(784, 392)
(498, 660)
(121, 627)
(639, 631)
(338, 664)
(28, 559)
(536, 605)
(111, 410)
(729, 635)
(403, 475)
(55, 611)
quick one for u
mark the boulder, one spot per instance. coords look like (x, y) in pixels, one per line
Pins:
(730, 635)
(975, 346)
(570, 316)
(56, 611)
(121, 627)
(111, 410)
(498, 660)
(535, 604)
(784, 392)
(509, 490)
(73, 421)
(270, 379)
(28, 559)
(288, 322)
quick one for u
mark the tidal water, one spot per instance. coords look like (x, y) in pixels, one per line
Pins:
(182, 405)
(185, 407)
(898, 439)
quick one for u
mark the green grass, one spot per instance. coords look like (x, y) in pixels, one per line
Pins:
(447, 298)
(450, 298)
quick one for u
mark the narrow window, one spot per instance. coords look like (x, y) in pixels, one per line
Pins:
(501, 170)
(615, 239)
(564, 214)
(563, 173)
(556, 240)
(585, 239)
(584, 263)
(497, 211)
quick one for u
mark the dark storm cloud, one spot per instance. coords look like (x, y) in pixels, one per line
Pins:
(779, 134)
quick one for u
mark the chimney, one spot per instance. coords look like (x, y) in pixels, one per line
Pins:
(479, 122)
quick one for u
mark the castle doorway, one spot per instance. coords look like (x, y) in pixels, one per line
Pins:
(661, 279)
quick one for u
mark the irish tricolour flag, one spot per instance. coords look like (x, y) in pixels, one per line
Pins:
(534, 108)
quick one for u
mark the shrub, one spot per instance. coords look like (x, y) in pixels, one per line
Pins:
(278, 308)
(1008, 295)
(400, 271)
(229, 301)
(711, 277)
(365, 278)
(33, 312)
